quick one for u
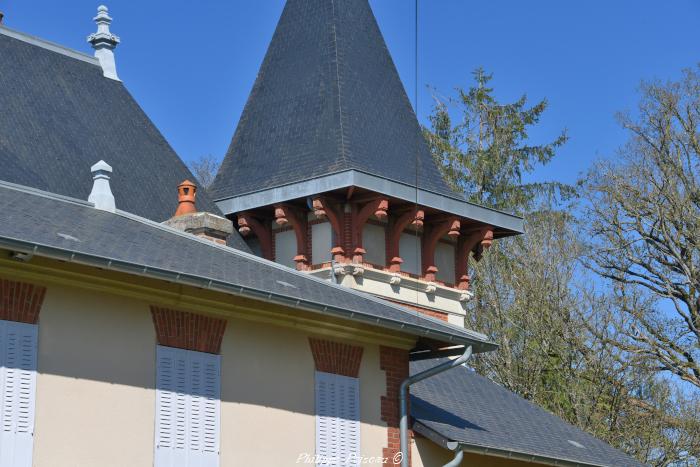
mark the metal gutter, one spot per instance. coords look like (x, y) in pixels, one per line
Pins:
(482, 342)
(391, 188)
(71, 256)
(498, 452)
(403, 398)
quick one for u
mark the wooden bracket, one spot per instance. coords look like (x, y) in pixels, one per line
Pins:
(414, 217)
(324, 209)
(433, 233)
(473, 241)
(284, 215)
(377, 207)
(263, 230)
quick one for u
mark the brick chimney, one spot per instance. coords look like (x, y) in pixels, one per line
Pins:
(201, 224)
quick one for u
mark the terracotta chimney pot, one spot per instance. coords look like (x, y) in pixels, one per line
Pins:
(202, 224)
(186, 194)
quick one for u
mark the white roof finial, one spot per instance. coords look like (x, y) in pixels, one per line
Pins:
(101, 195)
(104, 42)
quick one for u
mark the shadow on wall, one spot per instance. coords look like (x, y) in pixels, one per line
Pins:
(111, 339)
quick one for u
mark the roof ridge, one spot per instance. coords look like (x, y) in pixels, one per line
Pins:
(48, 45)
(334, 26)
(234, 251)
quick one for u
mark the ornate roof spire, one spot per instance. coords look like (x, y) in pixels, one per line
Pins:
(104, 42)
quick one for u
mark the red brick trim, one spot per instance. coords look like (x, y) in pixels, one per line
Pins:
(394, 362)
(20, 301)
(337, 358)
(187, 330)
(426, 311)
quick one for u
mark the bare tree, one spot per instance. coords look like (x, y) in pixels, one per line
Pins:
(204, 169)
(644, 220)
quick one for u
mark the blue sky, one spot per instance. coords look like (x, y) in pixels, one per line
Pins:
(191, 65)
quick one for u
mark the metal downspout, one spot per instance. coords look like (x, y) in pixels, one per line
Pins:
(459, 455)
(403, 397)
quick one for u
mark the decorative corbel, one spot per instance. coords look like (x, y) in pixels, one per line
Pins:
(432, 235)
(414, 217)
(324, 210)
(247, 224)
(477, 241)
(377, 207)
(284, 215)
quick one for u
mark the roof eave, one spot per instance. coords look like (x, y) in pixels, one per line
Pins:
(443, 441)
(34, 249)
(348, 178)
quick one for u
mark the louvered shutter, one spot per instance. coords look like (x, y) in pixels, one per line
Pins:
(18, 355)
(204, 403)
(187, 408)
(337, 420)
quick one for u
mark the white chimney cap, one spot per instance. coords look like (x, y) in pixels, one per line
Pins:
(101, 195)
(101, 166)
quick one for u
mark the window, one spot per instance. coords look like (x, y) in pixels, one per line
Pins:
(321, 242)
(285, 248)
(337, 420)
(18, 355)
(188, 386)
(374, 242)
(410, 251)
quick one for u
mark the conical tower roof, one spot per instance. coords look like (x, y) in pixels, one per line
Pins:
(327, 99)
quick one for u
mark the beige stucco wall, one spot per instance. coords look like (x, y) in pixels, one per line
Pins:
(96, 398)
(96, 367)
(268, 396)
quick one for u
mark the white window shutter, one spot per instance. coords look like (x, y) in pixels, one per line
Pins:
(337, 420)
(187, 408)
(205, 406)
(18, 360)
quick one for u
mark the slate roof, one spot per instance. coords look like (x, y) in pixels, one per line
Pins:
(460, 405)
(73, 230)
(60, 115)
(327, 99)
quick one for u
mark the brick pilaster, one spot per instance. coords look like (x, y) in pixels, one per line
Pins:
(20, 301)
(394, 362)
(188, 330)
(335, 357)
(347, 234)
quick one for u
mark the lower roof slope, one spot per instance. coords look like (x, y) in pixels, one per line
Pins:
(60, 115)
(72, 230)
(460, 405)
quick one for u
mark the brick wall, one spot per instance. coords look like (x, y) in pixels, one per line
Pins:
(335, 357)
(394, 362)
(188, 331)
(426, 311)
(20, 301)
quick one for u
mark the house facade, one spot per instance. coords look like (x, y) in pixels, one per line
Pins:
(269, 321)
